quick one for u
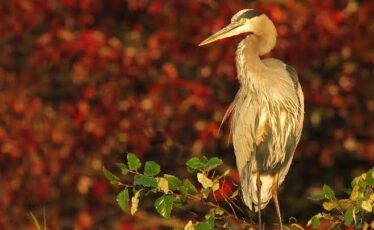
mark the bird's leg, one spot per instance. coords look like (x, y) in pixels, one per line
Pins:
(275, 197)
(258, 185)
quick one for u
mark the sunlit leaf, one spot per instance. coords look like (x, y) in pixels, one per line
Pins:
(355, 193)
(164, 205)
(123, 200)
(113, 179)
(367, 205)
(163, 185)
(329, 205)
(219, 212)
(215, 186)
(204, 180)
(151, 168)
(189, 226)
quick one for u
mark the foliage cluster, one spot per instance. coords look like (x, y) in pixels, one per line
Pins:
(177, 193)
(356, 211)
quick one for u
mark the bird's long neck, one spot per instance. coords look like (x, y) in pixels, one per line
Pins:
(248, 63)
(251, 70)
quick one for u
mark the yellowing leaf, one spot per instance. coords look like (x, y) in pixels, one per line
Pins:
(215, 186)
(366, 205)
(135, 202)
(163, 185)
(329, 205)
(371, 197)
(189, 226)
(355, 193)
(204, 180)
(219, 212)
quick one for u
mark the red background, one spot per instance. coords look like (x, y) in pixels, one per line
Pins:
(83, 82)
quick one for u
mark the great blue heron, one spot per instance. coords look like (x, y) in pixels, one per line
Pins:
(267, 113)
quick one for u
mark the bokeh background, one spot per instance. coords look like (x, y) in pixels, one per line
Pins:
(84, 81)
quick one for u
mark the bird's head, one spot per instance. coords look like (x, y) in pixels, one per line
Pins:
(248, 21)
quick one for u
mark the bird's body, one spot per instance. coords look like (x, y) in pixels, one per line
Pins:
(266, 123)
(267, 113)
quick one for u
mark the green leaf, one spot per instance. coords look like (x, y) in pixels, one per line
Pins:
(133, 161)
(123, 200)
(151, 168)
(315, 222)
(329, 193)
(145, 181)
(174, 182)
(123, 168)
(164, 205)
(370, 177)
(113, 179)
(348, 216)
(317, 197)
(206, 225)
(195, 163)
(189, 186)
(213, 163)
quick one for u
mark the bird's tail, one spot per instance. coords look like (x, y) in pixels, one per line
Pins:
(249, 189)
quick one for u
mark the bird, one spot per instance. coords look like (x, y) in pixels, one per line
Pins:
(267, 113)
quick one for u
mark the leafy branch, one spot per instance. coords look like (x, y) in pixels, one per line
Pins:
(356, 211)
(173, 192)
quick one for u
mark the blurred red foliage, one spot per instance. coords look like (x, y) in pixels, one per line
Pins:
(82, 82)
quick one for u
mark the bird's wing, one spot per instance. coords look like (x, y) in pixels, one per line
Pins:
(297, 131)
(243, 127)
